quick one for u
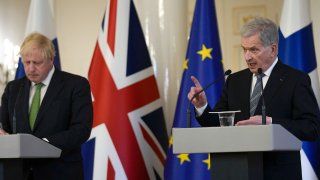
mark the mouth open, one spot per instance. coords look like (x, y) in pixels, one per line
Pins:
(252, 65)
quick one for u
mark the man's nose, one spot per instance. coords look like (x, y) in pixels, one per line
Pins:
(247, 55)
(32, 66)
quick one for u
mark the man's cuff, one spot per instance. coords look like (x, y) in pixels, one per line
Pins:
(199, 111)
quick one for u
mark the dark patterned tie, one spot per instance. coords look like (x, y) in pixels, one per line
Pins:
(255, 96)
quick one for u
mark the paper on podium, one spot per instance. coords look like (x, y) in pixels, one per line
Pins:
(218, 112)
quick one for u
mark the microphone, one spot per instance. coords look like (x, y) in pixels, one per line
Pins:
(14, 119)
(226, 73)
(263, 106)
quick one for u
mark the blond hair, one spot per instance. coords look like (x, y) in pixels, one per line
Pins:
(40, 42)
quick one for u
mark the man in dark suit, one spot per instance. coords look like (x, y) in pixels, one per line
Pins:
(65, 115)
(288, 95)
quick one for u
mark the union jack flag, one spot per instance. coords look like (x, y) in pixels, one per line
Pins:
(129, 137)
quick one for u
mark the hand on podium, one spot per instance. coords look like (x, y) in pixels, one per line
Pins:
(2, 132)
(253, 120)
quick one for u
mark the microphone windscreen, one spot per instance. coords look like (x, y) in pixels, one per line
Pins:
(228, 72)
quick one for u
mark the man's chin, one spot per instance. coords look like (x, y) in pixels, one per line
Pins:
(35, 80)
(253, 69)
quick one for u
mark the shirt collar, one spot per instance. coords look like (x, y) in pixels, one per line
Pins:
(269, 70)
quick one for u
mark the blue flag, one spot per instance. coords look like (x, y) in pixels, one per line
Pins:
(296, 48)
(204, 61)
(40, 19)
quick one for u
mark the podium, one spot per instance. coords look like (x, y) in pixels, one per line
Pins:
(14, 148)
(237, 151)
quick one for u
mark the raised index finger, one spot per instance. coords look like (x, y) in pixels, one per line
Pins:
(196, 82)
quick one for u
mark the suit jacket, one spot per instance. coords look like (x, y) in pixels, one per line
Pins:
(289, 100)
(64, 118)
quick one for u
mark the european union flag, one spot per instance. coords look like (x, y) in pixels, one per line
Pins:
(204, 61)
(296, 48)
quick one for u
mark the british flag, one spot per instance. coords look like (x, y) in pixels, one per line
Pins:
(129, 137)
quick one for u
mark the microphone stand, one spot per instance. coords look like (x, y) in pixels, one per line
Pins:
(189, 115)
(14, 118)
(263, 112)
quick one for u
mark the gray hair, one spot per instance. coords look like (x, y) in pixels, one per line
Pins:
(267, 30)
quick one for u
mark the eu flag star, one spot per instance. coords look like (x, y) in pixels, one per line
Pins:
(183, 158)
(207, 161)
(170, 141)
(185, 64)
(205, 52)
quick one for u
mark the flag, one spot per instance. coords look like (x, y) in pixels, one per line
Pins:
(40, 19)
(129, 137)
(204, 61)
(296, 48)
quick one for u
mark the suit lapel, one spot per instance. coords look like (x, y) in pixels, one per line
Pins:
(247, 92)
(22, 106)
(274, 83)
(55, 86)
(25, 99)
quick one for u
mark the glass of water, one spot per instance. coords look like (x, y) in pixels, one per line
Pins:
(226, 118)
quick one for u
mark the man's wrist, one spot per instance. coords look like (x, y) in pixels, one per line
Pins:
(199, 111)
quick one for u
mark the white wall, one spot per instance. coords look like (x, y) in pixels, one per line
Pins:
(77, 25)
(315, 15)
(12, 27)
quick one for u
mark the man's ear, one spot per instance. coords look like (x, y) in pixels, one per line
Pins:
(274, 49)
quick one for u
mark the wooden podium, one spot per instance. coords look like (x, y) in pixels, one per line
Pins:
(15, 148)
(236, 150)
